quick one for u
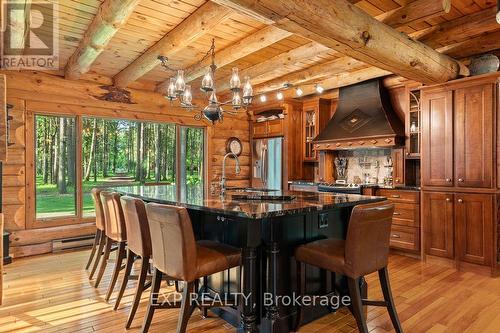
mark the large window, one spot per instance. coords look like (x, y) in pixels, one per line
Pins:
(104, 152)
(55, 171)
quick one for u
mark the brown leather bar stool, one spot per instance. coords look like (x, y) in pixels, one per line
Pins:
(100, 235)
(138, 245)
(365, 250)
(115, 233)
(177, 255)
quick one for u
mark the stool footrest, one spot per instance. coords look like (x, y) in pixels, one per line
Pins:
(374, 303)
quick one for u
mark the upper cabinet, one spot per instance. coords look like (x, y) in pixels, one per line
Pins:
(316, 113)
(474, 136)
(3, 118)
(437, 138)
(413, 123)
(457, 143)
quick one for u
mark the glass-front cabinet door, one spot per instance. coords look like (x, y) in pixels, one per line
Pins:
(413, 124)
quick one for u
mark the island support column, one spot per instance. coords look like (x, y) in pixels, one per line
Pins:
(249, 306)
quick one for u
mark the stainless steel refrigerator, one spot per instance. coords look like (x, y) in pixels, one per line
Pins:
(267, 159)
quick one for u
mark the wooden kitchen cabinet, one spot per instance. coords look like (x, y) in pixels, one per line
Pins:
(459, 226)
(316, 113)
(268, 129)
(438, 223)
(474, 227)
(437, 138)
(473, 107)
(260, 129)
(398, 166)
(3, 118)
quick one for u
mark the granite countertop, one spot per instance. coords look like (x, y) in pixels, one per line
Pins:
(302, 203)
(396, 187)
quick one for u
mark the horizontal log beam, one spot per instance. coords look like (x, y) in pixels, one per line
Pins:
(19, 23)
(257, 41)
(110, 17)
(349, 30)
(414, 12)
(474, 46)
(197, 24)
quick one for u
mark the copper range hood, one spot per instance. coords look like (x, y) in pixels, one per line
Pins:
(364, 119)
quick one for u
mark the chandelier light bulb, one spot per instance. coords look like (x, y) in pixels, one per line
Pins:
(187, 97)
(207, 83)
(213, 98)
(279, 95)
(319, 89)
(299, 92)
(263, 98)
(171, 95)
(180, 84)
(236, 101)
(235, 82)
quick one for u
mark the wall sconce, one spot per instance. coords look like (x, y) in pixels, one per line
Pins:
(9, 121)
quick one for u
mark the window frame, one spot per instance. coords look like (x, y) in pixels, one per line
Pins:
(32, 222)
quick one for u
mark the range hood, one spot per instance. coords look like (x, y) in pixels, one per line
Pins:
(364, 118)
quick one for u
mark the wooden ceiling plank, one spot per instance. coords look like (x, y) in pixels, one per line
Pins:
(111, 16)
(349, 30)
(473, 46)
(414, 12)
(200, 22)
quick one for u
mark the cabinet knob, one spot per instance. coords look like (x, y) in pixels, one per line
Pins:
(397, 180)
(460, 200)
(396, 236)
(460, 180)
(448, 199)
(448, 180)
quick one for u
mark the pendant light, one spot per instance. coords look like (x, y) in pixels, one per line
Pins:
(235, 82)
(247, 91)
(180, 84)
(187, 97)
(207, 83)
(171, 95)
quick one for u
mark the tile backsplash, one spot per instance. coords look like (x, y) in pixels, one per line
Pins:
(375, 164)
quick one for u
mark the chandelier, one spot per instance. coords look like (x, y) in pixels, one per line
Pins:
(178, 90)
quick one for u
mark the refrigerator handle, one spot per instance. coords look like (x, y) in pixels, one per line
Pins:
(264, 166)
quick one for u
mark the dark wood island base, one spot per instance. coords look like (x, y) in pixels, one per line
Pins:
(268, 233)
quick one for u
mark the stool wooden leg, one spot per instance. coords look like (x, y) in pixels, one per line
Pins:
(391, 308)
(138, 291)
(356, 304)
(205, 289)
(126, 275)
(104, 263)
(120, 254)
(301, 290)
(94, 248)
(155, 289)
(102, 242)
(186, 307)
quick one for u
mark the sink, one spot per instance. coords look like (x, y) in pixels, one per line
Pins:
(250, 189)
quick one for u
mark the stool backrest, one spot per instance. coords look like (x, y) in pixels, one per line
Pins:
(173, 242)
(137, 225)
(368, 236)
(99, 213)
(113, 216)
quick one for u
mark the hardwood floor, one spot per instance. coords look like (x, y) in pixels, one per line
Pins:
(51, 293)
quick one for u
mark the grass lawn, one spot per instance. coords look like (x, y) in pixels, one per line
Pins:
(50, 203)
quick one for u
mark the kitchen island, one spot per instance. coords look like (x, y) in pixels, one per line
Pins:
(267, 231)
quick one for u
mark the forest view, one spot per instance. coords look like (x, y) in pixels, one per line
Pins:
(114, 153)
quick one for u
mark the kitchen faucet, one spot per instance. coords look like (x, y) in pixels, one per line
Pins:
(223, 178)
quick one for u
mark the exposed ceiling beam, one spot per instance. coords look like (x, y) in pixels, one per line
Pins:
(198, 23)
(414, 12)
(460, 29)
(110, 17)
(263, 71)
(18, 28)
(478, 45)
(349, 30)
(256, 41)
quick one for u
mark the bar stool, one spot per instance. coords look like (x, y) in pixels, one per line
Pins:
(115, 233)
(100, 235)
(177, 255)
(365, 250)
(138, 245)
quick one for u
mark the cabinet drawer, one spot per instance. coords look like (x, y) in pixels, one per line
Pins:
(400, 196)
(406, 214)
(405, 238)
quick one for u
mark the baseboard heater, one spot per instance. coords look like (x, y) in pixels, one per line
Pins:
(72, 243)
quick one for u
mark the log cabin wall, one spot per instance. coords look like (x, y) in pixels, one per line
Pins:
(31, 92)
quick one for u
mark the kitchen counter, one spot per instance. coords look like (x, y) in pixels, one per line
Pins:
(304, 202)
(374, 186)
(268, 233)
